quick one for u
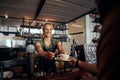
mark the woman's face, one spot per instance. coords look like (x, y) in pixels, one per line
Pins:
(47, 31)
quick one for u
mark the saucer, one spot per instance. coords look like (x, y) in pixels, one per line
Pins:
(62, 59)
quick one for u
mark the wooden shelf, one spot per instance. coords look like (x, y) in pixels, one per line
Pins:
(26, 26)
(60, 29)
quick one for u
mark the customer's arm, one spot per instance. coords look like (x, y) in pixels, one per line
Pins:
(92, 68)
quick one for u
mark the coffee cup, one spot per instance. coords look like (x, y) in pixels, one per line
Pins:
(63, 56)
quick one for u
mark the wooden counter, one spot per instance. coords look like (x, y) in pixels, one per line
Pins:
(63, 76)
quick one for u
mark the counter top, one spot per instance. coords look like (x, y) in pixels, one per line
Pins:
(63, 76)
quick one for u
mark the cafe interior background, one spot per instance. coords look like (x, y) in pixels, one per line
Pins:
(21, 22)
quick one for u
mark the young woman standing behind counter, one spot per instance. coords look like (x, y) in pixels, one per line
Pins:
(46, 47)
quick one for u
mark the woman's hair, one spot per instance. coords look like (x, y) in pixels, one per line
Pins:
(47, 24)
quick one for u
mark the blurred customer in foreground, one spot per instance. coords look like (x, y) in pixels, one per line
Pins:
(108, 48)
(46, 48)
(108, 53)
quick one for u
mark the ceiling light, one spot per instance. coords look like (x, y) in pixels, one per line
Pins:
(6, 16)
(46, 20)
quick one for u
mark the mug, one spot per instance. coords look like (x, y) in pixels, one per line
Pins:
(63, 56)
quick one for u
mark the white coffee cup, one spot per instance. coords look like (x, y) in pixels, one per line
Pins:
(63, 56)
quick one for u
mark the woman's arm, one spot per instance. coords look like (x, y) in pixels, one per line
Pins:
(60, 48)
(47, 55)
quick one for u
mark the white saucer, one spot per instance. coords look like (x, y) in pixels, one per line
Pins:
(62, 59)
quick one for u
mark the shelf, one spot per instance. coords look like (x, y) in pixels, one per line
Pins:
(31, 36)
(26, 26)
(76, 33)
(59, 37)
(7, 32)
(60, 29)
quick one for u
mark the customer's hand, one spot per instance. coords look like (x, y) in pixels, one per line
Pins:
(72, 61)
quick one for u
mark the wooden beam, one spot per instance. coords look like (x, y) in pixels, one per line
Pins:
(82, 15)
(41, 3)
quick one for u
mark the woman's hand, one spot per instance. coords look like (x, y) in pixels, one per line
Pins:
(50, 55)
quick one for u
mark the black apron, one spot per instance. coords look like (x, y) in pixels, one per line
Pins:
(44, 64)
